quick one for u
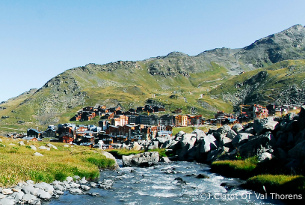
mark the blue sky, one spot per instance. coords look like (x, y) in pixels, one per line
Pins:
(40, 39)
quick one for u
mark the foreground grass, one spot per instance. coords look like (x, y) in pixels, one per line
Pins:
(17, 163)
(235, 168)
(282, 184)
(262, 177)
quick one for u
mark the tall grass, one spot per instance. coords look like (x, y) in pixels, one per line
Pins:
(17, 163)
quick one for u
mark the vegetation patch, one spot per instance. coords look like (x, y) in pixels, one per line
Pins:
(284, 184)
(18, 163)
(235, 168)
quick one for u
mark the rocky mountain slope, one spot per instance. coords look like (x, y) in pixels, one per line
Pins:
(205, 83)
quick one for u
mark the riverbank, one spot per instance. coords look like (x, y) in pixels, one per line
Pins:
(46, 162)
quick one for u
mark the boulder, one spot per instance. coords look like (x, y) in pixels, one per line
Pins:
(185, 144)
(153, 145)
(264, 156)
(241, 138)
(199, 134)
(44, 195)
(76, 191)
(30, 199)
(207, 144)
(141, 160)
(298, 151)
(165, 160)
(21, 143)
(266, 124)
(37, 154)
(251, 147)
(7, 191)
(51, 146)
(7, 201)
(33, 147)
(44, 148)
(17, 196)
(169, 144)
(45, 186)
(237, 127)
(179, 135)
(222, 132)
(136, 146)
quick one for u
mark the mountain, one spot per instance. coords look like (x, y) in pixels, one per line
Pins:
(207, 82)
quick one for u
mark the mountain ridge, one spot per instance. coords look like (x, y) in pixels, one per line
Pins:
(196, 81)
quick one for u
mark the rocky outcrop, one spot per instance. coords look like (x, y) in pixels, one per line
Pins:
(145, 159)
(270, 138)
(30, 193)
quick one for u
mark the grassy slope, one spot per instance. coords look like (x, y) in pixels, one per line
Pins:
(18, 163)
(280, 76)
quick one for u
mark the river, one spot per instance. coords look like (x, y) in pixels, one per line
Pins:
(173, 183)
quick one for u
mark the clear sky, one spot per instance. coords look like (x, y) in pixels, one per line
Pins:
(40, 39)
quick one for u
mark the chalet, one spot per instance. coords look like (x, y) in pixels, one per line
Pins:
(181, 120)
(147, 120)
(50, 131)
(119, 120)
(167, 120)
(34, 133)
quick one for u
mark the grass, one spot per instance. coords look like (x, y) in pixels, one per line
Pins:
(285, 184)
(235, 168)
(17, 163)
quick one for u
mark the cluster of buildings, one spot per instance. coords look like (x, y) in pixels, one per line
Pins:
(142, 123)
(116, 126)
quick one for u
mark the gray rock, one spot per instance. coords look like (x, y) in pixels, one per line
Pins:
(141, 160)
(21, 143)
(30, 189)
(51, 146)
(76, 191)
(7, 201)
(44, 148)
(266, 124)
(106, 184)
(241, 138)
(199, 134)
(165, 160)
(85, 187)
(169, 144)
(17, 196)
(37, 154)
(237, 127)
(69, 179)
(93, 184)
(44, 195)
(7, 191)
(83, 181)
(207, 144)
(153, 145)
(186, 144)
(45, 186)
(30, 199)
(33, 147)
(298, 151)
(251, 147)
(264, 156)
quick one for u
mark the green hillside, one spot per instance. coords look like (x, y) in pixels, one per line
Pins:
(272, 71)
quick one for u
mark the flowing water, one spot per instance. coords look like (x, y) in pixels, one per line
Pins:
(173, 183)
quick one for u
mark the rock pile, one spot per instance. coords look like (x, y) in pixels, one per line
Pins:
(30, 193)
